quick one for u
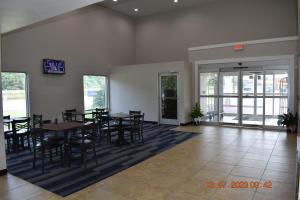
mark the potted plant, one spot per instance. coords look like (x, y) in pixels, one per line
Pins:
(289, 120)
(196, 114)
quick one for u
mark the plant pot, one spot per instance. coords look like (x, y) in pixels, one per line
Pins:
(292, 128)
(197, 121)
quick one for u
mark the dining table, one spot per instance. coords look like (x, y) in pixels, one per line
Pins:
(120, 117)
(67, 128)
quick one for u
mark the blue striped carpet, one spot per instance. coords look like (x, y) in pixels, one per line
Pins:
(111, 160)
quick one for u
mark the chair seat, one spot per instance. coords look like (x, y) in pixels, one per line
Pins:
(49, 144)
(126, 123)
(8, 133)
(7, 130)
(53, 142)
(111, 129)
(80, 143)
(55, 138)
(79, 136)
(22, 132)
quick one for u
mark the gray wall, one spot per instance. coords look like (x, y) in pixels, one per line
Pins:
(167, 36)
(89, 40)
(265, 51)
(2, 144)
(135, 87)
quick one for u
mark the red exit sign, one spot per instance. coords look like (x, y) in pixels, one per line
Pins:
(239, 47)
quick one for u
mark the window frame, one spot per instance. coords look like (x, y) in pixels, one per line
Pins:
(27, 97)
(107, 89)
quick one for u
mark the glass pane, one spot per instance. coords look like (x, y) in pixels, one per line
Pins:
(260, 106)
(281, 84)
(249, 81)
(252, 111)
(209, 107)
(269, 84)
(94, 92)
(277, 83)
(169, 97)
(260, 85)
(275, 107)
(229, 110)
(208, 83)
(248, 84)
(14, 94)
(229, 84)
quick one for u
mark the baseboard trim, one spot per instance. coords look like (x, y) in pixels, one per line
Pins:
(186, 124)
(151, 122)
(3, 172)
(181, 124)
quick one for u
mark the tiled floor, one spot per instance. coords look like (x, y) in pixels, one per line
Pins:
(181, 173)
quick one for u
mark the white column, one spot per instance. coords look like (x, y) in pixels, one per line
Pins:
(2, 144)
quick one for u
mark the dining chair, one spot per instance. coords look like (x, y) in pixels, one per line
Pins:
(136, 127)
(126, 122)
(37, 121)
(68, 116)
(86, 142)
(42, 144)
(135, 112)
(8, 134)
(74, 110)
(106, 126)
(100, 110)
(21, 130)
(7, 125)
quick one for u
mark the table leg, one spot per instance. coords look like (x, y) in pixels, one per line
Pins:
(66, 150)
(121, 140)
(15, 143)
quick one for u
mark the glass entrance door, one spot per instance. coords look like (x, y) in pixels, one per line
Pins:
(229, 97)
(168, 98)
(253, 96)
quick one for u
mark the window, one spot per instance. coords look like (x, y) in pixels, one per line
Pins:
(14, 94)
(95, 92)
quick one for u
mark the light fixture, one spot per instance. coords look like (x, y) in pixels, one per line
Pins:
(136, 10)
(115, 0)
(175, 1)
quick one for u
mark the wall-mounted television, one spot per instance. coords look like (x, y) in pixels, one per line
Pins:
(51, 66)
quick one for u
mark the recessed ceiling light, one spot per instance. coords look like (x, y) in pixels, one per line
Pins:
(175, 1)
(115, 0)
(136, 10)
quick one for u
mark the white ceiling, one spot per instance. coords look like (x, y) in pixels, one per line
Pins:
(149, 7)
(15, 14)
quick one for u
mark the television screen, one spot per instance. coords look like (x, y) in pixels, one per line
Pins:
(53, 66)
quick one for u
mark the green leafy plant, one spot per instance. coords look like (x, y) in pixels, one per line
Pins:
(288, 120)
(196, 112)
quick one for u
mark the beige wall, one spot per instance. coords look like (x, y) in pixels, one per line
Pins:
(135, 87)
(89, 40)
(167, 36)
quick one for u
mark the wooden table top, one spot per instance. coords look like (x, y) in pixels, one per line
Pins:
(64, 126)
(120, 115)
